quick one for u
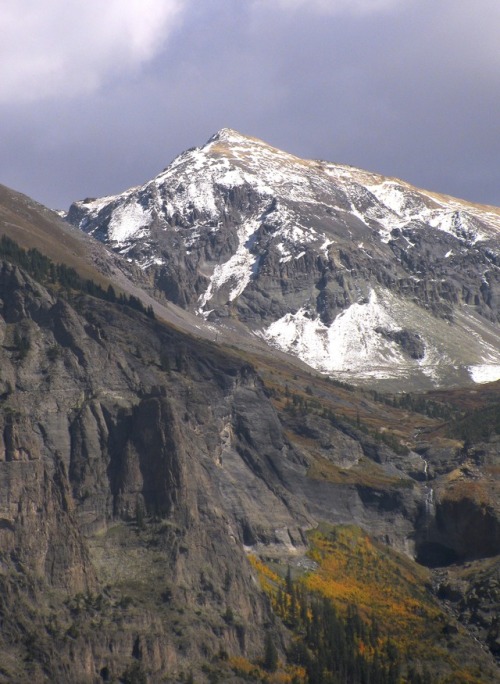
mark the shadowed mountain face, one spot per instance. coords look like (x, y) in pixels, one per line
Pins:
(142, 466)
(127, 499)
(363, 277)
(120, 484)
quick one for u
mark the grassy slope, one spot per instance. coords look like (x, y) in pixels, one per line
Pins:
(32, 225)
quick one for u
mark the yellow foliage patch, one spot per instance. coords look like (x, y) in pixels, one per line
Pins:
(387, 589)
(382, 585)
(242, 666)
(289, 675)
(263, 570)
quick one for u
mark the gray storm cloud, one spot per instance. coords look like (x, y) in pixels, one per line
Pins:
(332, 7)
(60, 48)
(98, 96)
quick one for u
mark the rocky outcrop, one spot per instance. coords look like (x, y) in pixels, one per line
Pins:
(472, 593)
(461, 520)
(411, 343)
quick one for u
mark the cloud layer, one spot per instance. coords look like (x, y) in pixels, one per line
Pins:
(333, 7)
(98, 96)
(59, 48)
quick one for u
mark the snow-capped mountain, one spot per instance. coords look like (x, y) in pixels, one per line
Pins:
(363, 277)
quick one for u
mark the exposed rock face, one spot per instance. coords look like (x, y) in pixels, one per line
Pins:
(462, 508)
(127, 496)
(98, 435)
(411, 343)
(139, 466)
(359, 275)
(472, 592)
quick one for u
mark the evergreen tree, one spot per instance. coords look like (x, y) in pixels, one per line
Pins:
(270, 662)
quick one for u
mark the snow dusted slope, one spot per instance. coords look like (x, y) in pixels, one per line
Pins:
(367, 342)
(359, 275)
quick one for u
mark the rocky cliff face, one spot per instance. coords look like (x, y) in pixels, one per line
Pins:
(129, 502)
(113, 472)
(359, 275)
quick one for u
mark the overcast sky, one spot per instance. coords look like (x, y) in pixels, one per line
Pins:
(100, 95)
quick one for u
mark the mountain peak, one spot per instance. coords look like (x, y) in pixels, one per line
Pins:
(353, 272)
(227, 135)
(231, 136)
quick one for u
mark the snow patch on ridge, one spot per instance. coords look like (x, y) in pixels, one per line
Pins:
(398, 199)
(127, 221)
(354, 347)
(410, 205)
(94, 206)
(459, 224)
(349, 344)
(484, 373)
(237, 271)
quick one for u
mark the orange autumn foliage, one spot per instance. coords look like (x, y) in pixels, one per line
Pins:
(353, 570)
(388, 591)
(245, 668)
